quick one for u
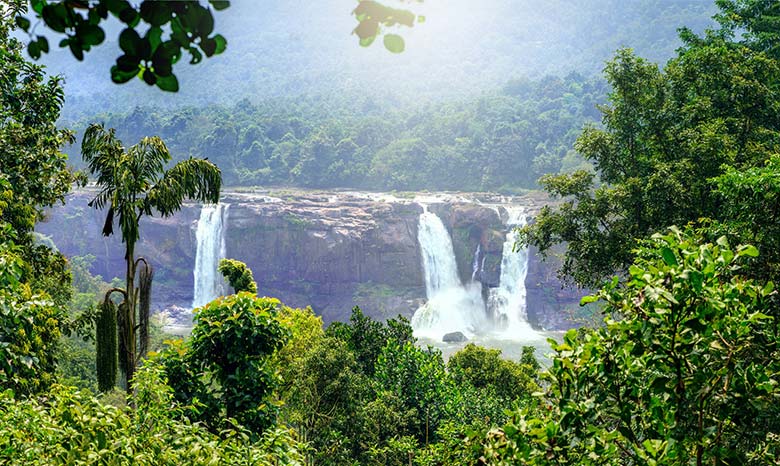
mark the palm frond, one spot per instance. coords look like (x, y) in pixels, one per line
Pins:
(193, 179)
(147, 159)
(102, 152)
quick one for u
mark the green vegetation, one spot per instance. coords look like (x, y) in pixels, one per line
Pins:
(499, 141)
(238, 275)
(683, 371)
(134, 183)
(34, 280)
(73, 427)
(666, 138)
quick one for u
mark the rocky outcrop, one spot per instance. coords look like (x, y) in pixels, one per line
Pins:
(553, 305)
(329, 250)
(331, 253)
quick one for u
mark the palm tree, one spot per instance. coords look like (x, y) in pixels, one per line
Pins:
(134, 183)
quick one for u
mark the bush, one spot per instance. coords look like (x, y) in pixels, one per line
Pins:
(68, 426)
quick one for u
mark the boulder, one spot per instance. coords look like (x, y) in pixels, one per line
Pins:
(454, 337)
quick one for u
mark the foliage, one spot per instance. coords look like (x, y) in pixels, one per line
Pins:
(238, 275)
(323, 401)
(225, 367)
(156, 35)
(684, 370)
(169, 29)
(134, 183)
(666, 135)
(306, 332)
(363, 393)
(756, 21)
(502, 140)
(751, 207)
(366, 337)
(71, 427)
(418, 378)
(33, 171)
(484, 369)
(29, 333)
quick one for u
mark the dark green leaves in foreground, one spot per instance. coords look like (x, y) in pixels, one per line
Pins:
(170, 29)
(684, 371)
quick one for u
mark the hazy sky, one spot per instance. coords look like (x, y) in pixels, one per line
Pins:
(294, 47)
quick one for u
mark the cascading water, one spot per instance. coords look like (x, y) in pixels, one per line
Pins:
(210, 237)
(451, 307)
(475, 264)
(507, 301)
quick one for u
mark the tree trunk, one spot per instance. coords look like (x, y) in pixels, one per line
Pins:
(129, 330)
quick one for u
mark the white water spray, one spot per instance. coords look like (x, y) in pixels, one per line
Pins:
(210, 237)
(451, 307)
(507, 302)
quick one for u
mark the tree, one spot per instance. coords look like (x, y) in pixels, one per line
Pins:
(684, 371)
(484, 369)
(366, 337)
(756, 20)
(665, 137)
(225, 371)
(134, 183)
(68, 426)
(31, 161)
(238, 275)
(34, 280)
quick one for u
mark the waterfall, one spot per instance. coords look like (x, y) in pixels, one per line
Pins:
(507, 301)
(475, 264)
(451, 306)
(210, 237)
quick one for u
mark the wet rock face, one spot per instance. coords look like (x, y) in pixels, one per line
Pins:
(331, 255)
(332, 251)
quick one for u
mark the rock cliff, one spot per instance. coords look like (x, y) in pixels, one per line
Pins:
(329, 250)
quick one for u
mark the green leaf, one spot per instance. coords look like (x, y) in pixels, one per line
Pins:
(221, 44)
(668, 256)
(697, 279)
(91, 35)
(37, 5)
(588, 299)
(156, 13)
(748, 250)
(149, 78)
(23, 23)
(154, 36)
(128, 64)
(34, 50)
(168, 83)
(129, 41)
(219, 4)
(76, 50)
(209, 46)
(366, 41)
(394, 43)
(43, 44)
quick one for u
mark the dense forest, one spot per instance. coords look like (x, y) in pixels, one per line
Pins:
(668, 207)
(479, 144)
